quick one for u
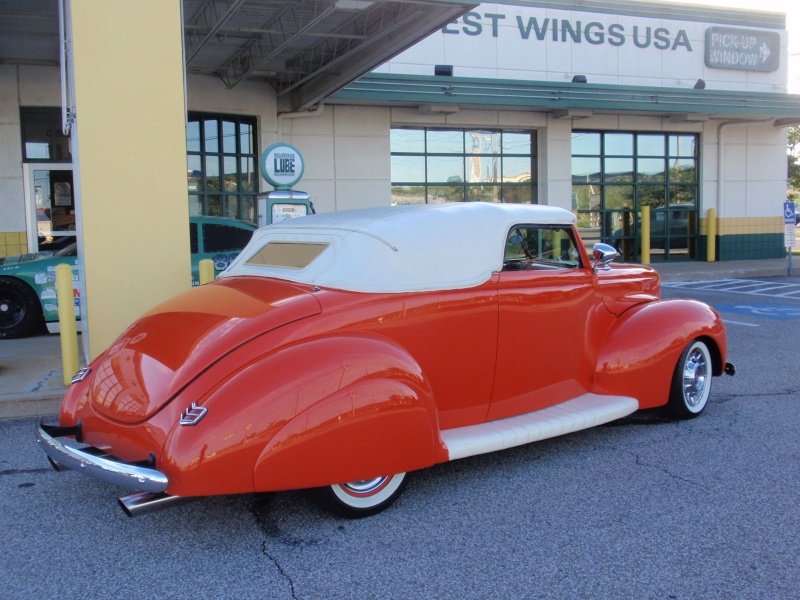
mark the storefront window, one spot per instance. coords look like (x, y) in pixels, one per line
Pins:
(463, 165)
(222, 159)
(615, 174)
(42, 137)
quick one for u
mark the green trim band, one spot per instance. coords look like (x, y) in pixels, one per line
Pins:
(382, 88)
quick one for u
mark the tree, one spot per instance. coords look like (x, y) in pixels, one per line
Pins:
(793, 145)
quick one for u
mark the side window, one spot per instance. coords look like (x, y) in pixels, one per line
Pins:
(541, 247)
(224, 238)
(193, 237)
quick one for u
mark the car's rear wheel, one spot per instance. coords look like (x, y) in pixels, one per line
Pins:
(20, 311)
(691, 381)
(358, 499)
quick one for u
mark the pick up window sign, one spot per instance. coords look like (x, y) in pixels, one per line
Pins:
(742, 49)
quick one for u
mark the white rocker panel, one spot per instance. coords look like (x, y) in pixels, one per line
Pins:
(579, 413)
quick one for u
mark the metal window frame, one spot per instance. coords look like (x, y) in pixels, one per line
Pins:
(533, 185)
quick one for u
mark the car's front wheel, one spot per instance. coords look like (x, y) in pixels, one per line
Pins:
(691, 381)
(358, 499)
(20, 311)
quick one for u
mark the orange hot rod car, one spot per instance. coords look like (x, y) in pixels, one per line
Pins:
(342, 351)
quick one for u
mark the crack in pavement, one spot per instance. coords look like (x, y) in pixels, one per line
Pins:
(260, 511)
(642, 463)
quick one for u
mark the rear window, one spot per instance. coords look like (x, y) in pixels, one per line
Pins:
(287, 255)
(224, 238)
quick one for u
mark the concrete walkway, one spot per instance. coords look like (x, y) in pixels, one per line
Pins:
(31, 376)
(31, 371)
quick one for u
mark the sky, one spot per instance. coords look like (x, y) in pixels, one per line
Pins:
(791, 8)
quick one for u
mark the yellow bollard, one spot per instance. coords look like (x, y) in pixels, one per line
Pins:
(711, 238)
(66, 319)
(207, 274)
(645, 235)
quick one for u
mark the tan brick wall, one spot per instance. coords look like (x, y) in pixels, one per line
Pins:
(13, 242)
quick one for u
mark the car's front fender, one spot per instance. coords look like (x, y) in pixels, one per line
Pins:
(336, 408)
(640, 352)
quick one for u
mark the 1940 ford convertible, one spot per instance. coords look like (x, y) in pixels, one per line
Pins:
(342, 351)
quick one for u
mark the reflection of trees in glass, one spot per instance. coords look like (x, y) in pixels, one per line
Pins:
(446, 193)
(459, 165)
(619, 196)
(654, 196)
(408, 194)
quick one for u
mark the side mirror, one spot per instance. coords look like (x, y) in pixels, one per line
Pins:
(603, 254)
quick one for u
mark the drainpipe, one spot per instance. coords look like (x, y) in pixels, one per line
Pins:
(302, 114)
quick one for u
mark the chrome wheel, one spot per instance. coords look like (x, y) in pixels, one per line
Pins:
(364, 488)
(691, 382)
(695, 377)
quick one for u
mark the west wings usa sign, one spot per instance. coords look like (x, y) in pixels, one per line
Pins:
(743, 49)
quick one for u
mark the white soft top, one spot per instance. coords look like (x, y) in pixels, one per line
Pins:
(399, 248)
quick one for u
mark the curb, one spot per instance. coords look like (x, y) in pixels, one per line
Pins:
(20, 406)
(726, 274)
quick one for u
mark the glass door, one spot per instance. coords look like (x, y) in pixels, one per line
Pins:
(50, 204)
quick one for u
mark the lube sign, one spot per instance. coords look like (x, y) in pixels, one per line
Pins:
(282, 165)
(747, 49)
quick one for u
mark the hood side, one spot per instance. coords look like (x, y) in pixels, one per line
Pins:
(626, 285)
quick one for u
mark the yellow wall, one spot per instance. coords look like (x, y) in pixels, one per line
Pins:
(745, 225)
(130, 148)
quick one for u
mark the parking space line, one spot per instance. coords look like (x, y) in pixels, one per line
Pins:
(748, 287)
(729, 322)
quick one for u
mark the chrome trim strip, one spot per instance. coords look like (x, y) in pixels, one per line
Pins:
(105, 469)
(193, 414)
(81, 375)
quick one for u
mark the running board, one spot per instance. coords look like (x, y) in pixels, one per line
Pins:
(579, 413)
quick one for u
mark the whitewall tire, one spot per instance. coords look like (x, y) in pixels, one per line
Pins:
(358, 499)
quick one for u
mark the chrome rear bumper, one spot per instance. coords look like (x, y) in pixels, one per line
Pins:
(98, 464)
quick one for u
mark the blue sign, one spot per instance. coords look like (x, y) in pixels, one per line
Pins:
(789, 214)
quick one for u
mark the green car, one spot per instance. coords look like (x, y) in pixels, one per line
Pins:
(28, 281)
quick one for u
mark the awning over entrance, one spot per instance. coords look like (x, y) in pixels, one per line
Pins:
(306, 49)
(569, 99)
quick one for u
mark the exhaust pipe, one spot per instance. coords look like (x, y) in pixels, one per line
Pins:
(139, 504)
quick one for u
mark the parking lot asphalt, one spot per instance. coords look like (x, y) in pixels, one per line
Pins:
(32, 374)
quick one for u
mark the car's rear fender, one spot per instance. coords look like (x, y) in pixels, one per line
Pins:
(325, 410)
(641, 350)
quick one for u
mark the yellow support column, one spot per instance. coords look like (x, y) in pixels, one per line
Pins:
(66, 319)
(645, 235)
(711, 239)
(129, 142)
